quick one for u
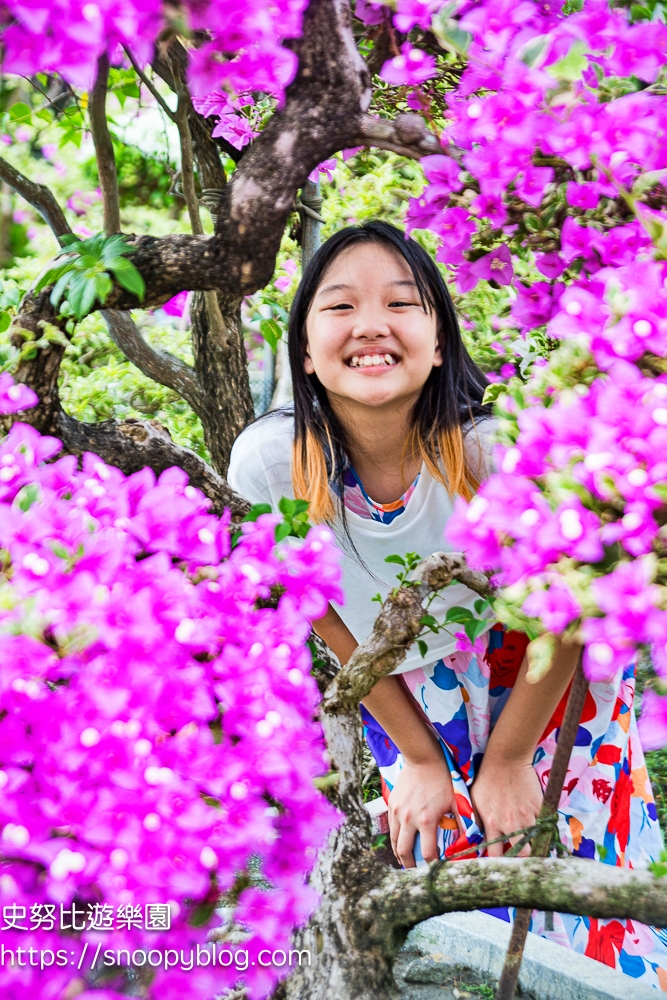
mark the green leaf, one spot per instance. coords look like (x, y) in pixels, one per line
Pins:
(448, 33)
(399, 560)
(639, 13)
(103, 285)
(473, 629)
(657, 868)
(648, 180)
(27, 496)
(287, 507)
(87, 298)
(428, 620)
(480, 605)
(271, 332)
(282, 530)
(422, 647)
(572, 66)
(5, 321)
(59, 287)
(493, 392)
(531, 52)
(75, 293)
(256, 510)
(458, 615)
(20, 113)
(52, 275)
(301, 507)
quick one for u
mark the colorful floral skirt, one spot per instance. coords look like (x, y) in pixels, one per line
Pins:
(607, 811)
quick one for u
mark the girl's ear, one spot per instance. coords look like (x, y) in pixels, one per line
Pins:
(309, 366)
(437, 356)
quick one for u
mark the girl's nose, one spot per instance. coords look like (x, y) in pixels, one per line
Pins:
(369, 323)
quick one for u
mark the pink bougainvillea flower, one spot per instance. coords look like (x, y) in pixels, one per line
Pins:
(652, 724)
(496, 266)
(550, 265)
(132, 627)
(236, 129)
(532, 183)
(327, 167)
(455, 229)
(584, 195)
(371, 13)
(576, 240)
(415, 14)
(412, 67)
(15, 397)
(556, 607)
(177, 305)
(536, 304)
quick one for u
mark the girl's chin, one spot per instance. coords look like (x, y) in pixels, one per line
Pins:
(372, 394)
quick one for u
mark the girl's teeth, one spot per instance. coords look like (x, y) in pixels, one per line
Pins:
(369, 360)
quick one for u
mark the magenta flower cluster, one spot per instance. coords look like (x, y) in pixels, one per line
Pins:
(157, 741)
(584, 475)
(244, 53)
(529, 98)
(573, 521)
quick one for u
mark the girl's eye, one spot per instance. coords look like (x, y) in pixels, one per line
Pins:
(402, 304)
(341, 305)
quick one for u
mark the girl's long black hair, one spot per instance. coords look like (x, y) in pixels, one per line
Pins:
(451, 396)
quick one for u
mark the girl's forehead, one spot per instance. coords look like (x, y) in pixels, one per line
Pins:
(356, 263)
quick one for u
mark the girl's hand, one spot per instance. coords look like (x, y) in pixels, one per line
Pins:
(506, 797)
(423, 793)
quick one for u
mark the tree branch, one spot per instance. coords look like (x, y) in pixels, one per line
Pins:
(406, 134)
(148, 84)
(396, 627)
(402, 899)
(104, 154)
(132, 445)
(38, 195)
(159, 365)
(324, 111)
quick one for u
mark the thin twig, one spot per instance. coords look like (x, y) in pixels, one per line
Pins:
(149, 85)
(38, 195)
(104, 152)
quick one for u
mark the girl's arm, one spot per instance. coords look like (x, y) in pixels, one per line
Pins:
(423, 792)
(507, 794)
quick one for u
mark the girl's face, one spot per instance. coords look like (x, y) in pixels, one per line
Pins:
(368, 336)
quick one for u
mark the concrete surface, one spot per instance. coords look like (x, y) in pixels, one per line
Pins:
(477, 941)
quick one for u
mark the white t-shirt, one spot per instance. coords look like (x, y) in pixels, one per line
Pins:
(260, 470)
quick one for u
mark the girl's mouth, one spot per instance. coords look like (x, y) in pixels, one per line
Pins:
(372, 361)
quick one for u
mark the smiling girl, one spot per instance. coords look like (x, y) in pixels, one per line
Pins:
(388, 427)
